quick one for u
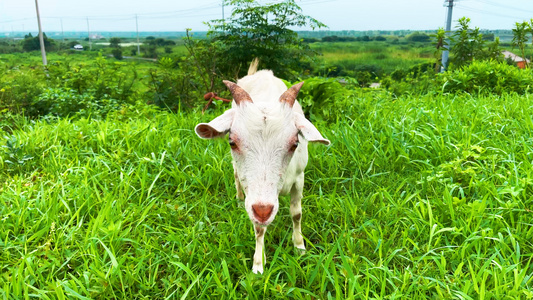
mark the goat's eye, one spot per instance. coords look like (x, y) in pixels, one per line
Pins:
(232, 144)
(293, 147)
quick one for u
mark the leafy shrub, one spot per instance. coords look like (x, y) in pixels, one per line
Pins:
(71, 89)
(31, 43)
(325, 98)
(64, 102)
(19, 88)
(176, 85)
(487, 77)
(419, 79)
(101, 79)
(117, 53)
(468, 45)
(418, 37)
(9, 47)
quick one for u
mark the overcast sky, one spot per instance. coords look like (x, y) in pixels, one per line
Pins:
(177, 15)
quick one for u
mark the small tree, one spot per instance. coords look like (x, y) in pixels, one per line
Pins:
(520, 37)
(467, 44)
(114, 42)
(117, 53)
(32, 43)
(440, 45)
(262, 31)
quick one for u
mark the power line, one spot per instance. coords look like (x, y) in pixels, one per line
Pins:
(162, 14)
(487, 12)
(504, 6)
(18, 20)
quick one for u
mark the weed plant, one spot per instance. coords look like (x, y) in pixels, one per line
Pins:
(418, 197)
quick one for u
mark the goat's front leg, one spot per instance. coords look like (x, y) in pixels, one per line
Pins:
(296, 213)
(259, 256)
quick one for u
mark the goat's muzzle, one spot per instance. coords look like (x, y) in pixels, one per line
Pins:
(262, 212)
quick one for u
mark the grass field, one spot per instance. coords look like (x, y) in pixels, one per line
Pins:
(388, 57)
(417, 197)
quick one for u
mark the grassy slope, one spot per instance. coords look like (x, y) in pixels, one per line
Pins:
(417, 197)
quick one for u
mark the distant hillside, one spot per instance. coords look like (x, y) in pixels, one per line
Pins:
(505, 35)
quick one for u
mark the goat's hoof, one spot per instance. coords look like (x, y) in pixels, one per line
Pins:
(257, 269)
(300, 250)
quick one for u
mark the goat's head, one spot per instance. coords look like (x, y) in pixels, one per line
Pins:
(263, 137)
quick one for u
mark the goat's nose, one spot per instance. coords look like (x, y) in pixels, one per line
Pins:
(262, 211)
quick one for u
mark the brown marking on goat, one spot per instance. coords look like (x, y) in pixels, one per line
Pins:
(233, 138)
(297, 217)
(259, 231)
(293, 143)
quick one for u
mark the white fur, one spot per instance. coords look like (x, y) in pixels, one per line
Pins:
(264, 166)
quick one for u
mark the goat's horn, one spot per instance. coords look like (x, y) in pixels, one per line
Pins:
(289, 96)
(239, 94)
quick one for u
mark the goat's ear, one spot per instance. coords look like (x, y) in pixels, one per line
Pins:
(218, 127)
(308, 130)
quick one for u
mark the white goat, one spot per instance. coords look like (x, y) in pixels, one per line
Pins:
(268, 135)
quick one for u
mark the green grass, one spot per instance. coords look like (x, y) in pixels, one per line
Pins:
(418, 197)
(385, 55)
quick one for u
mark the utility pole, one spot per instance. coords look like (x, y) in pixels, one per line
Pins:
(41, 38)
(62, 32)
(446, 53)
(137, 27)
(223, 20)
(89, 35)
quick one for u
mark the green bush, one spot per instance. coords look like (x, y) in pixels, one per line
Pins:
(117, 53)
(101, 78)
(487, 77)
(19, 88)
(176, 84)
(64, 102)
(418, 37)
(419, 79)
(326, 98)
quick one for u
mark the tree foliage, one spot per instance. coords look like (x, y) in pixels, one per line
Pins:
(468, 45)
(440, 45)
(520, 36)
(114, 42)
(418, 37)
(262, 31)
(32, 43)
